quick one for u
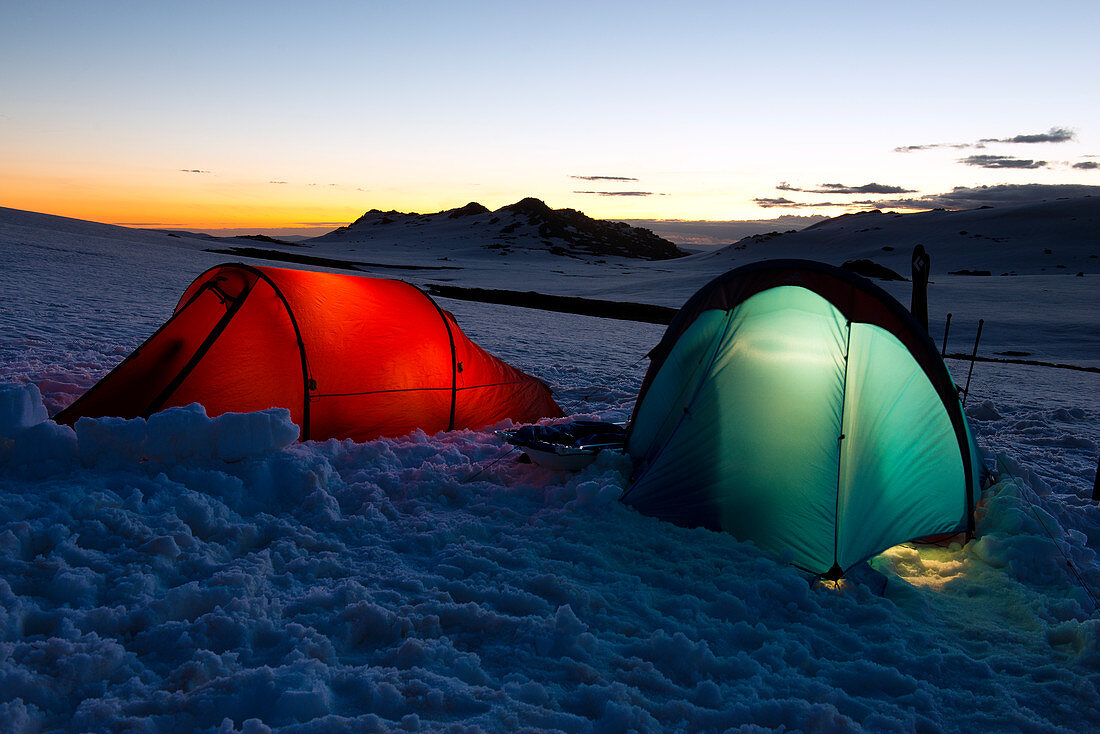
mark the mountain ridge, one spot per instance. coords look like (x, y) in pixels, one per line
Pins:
(528, 224)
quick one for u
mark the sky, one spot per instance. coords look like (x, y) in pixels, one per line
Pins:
(270, 116)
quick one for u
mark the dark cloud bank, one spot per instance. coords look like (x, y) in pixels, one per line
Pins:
(960, 197)
(1001, 161)
(1054, 135)
(964, 197)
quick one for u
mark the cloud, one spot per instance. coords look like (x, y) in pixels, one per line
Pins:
(1001, 161)
(193, 170)
(619, 193)
(765, 203)
(835, 188)
(1054, 135)
(604, 178)
(933, 146)
(277, 182)
(1087, 165)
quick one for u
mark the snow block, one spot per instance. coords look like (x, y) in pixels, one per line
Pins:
(184, 433)
(45, 449)
(20, 408)
(108, 442)
(240, 435)
(179, 433)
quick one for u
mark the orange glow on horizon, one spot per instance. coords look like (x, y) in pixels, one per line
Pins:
(201, 200)
(149, 204)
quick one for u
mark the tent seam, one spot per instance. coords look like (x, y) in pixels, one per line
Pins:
(204, 348)
(683, 416)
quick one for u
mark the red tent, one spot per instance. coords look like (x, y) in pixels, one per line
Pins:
(350, 357)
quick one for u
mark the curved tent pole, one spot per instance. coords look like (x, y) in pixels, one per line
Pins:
(308, 383)
(823, 279)
(860, 301)
(62, 417)
(454, 354)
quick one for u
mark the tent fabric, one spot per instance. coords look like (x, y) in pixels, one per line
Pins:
(799, 406)
(349, 356)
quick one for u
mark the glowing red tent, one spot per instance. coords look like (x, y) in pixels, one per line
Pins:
(350, 357)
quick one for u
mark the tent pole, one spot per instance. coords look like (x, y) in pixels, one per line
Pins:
(978, 338)
(946, 330)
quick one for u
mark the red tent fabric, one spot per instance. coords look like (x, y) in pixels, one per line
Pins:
(350, 357)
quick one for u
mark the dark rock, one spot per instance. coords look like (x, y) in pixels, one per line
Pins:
(871, 269)
(583, 235)
(470, 210)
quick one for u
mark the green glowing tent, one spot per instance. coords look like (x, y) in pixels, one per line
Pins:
(799, 406)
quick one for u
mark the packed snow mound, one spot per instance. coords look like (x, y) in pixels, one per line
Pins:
(20, 408)
(529, 224)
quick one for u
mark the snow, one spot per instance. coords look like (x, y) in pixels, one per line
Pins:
(20, 408)
(189, 573)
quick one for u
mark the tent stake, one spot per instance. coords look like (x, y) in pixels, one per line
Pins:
(946, 330)
(978, 338)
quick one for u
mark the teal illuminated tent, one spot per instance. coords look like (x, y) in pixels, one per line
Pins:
(800, 406)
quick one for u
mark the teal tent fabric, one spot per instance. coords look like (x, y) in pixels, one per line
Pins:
(781, 419)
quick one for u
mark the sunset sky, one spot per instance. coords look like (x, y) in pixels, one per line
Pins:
(268, 115)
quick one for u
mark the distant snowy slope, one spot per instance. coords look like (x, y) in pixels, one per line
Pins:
(448, 248)
(97, 290)
(1061, 236)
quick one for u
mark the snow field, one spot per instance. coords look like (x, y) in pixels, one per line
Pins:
(188, 573)
(201, 583)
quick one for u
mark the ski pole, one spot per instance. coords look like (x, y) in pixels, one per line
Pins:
(978, 338)
(946, 329)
